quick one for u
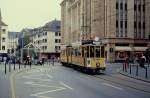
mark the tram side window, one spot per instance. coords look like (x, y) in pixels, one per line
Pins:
(102, 51)
(97, 51)
(92, 51)
(76, 52)
(82, 52)
(88, 51)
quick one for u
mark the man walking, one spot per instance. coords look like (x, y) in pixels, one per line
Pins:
(147, 53)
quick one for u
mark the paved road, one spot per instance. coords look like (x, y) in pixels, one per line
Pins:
(61, 82)
(4, 83)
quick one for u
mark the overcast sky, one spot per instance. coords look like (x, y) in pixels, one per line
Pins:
(19, 14)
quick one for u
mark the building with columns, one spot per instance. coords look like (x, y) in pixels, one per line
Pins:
(3, 37)
(123, 26)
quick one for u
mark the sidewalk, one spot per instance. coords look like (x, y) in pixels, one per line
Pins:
(137, 72)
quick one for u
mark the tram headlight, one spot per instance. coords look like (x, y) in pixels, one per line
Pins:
(88, 62)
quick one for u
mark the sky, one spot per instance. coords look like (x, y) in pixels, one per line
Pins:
(19, 14)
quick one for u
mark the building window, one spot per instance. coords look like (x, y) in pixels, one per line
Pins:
(134, 7)
(144, 25)
(55, 47)
(139, 25)
(139, 7)
(56, 33)
(126, 24)
(116, 23)
(57, 40)
(3, 47)
(121, 24)
(144, 8)
(135, 25)
(125, 6)
(121, 6)
(3, 39)
(45, 47)
(45, 40)
(117, 6)
(4, 30)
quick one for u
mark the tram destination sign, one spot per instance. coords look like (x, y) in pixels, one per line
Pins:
(91, 42)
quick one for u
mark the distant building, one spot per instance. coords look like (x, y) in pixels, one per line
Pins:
(123, 26)
(13, 41)
(3, 37)
(48, 38)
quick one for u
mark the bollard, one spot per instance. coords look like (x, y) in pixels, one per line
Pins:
(14, 66)
(9, 67)
(5, 68)
(25, 65)
(30, 64)
(137, 68)
(146, 76)
(130, 68)
(123, 67)
(19, 64)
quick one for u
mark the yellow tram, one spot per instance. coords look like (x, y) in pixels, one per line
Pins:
(89, 57)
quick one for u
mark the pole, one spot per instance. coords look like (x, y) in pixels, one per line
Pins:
(9, 66)
(5, 68)
(14, 63)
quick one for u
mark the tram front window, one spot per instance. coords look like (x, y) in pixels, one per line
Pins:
(97, 50)
(92, 51)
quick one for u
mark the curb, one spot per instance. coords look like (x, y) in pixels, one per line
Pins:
(134, 77)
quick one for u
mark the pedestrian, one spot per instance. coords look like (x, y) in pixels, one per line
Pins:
(136, 60)
(126, 63)
(5, 60)
(53, 60)
(147, 53)
(142, 61)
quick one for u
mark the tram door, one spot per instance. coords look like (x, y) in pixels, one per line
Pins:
(84, 55)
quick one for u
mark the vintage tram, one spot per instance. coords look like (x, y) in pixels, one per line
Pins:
(86, 56)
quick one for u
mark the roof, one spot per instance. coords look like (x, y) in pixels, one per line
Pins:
(53, 26)
(3, 24)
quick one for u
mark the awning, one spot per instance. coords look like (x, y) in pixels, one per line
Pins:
(125, 48)
(140, 48)
(121, 48)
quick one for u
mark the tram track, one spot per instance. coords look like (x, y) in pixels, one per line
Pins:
(128, 79)
(119, 81)
(122, 83)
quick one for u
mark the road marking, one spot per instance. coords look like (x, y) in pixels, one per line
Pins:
(106, 84)
(46, 80)
(49, 76)
(62, 83)
(12, 82)
(40, 85)
(45, 92)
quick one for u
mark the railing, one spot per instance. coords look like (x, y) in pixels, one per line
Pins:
(137, 70)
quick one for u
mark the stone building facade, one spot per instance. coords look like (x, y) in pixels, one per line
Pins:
(3, 37)
(123, 26)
